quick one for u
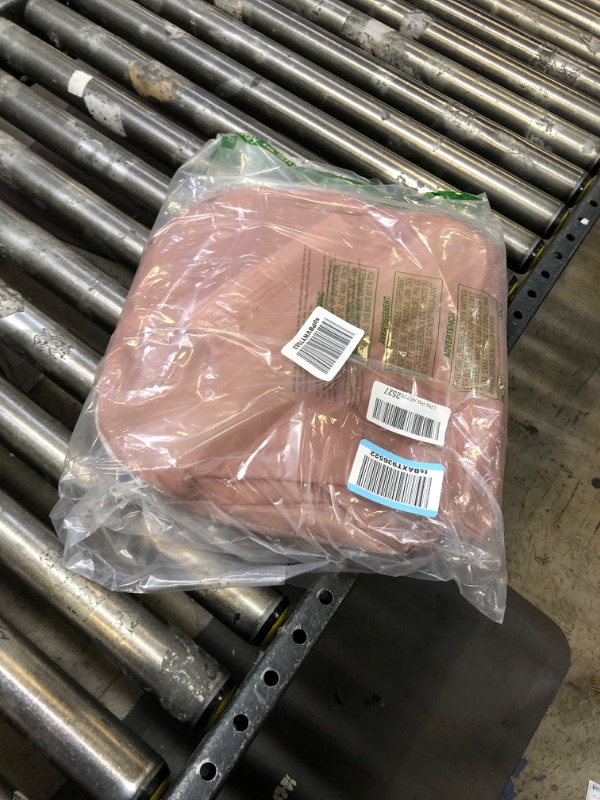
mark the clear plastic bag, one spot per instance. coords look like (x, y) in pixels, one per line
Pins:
(204, 456)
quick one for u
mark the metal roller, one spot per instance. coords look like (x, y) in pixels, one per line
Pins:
(254, 612)
(100, 157)
(485, 60)
(79, 736)
(175, 94)
(60, 268)
(535, 165)
(116, 57)
(138, 70)
(454, 80)
(582, 15)
(114, 108)
(508, 194)
(45, 343)
(30, 433)
(554, 31)
(81, 145)
(96, 220)
(564, 67)
(189, 683)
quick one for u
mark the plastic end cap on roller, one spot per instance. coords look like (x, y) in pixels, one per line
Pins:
(216, 706)
(272, 625)
(157, 787)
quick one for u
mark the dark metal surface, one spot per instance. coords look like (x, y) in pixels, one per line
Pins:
(516, 113)
(491, 140)
(508, 194)
(73, 730)
(552, 262)
(32, 434)
(213, 761)
(565, 68)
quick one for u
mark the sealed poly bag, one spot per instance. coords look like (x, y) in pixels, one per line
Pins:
(309, 374)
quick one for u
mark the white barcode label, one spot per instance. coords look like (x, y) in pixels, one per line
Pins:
(396, 482)
(593, 792)
(323, 344)
(404, 413)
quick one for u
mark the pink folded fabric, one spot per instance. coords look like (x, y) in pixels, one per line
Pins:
(195, 397)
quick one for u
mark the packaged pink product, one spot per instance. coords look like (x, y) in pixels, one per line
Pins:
(309, 374)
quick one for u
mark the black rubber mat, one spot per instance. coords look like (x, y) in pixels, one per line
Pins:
(410, 695)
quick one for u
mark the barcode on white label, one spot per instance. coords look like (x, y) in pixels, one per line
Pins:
(396, 482)
(593, 792)
(404, 413)
(323, 344)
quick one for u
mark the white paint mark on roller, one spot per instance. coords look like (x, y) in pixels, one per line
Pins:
(375, 30)
(105, 113)
(585, 221)
(77, 82)
(173, 32)
(234, 8)
(414, 24)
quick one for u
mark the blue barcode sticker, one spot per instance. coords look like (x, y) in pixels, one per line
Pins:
(396, 482)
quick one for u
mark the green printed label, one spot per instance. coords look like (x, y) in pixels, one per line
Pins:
(475, 364)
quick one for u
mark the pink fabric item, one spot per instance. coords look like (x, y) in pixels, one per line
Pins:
(195, 397)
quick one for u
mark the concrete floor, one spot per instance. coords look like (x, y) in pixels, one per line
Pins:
(552, 517)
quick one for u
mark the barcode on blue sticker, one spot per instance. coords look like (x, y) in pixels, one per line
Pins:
(392, 481)
(407, 414)
(323, 344)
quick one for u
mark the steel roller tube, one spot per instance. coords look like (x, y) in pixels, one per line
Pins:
(115, 109)
(508, 194)
(100, 223)
(81, 145)
(79, 736)
(486, 60)
(121, 61)
(254, 613)
(558, 64)
(45, 343)
(60, 268)
(578, 14)
(554, 31)
(539, 167)
(188, 682)
(454, 80)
